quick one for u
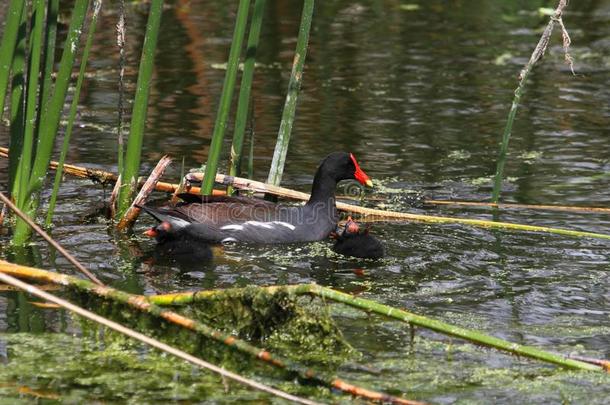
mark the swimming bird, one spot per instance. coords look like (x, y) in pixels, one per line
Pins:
(216, 219)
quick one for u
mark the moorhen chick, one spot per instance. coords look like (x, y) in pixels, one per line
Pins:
(352, 242)
(216, 219)
(179, 247)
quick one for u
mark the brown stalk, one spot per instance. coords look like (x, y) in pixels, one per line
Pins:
(149, 186)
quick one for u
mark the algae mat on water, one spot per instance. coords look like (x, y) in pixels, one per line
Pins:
(101, 365)
(66, 369)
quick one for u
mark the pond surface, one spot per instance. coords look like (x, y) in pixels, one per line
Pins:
(420, 95)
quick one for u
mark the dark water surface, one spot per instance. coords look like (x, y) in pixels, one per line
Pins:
(420, 97)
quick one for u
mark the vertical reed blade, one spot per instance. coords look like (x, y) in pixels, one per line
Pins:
(140, 107)
(72, 113)
(225, 98)
(17, 107)
(49, 51)
(35, 51)
(245, 89)
(49, 122)
(537, 54)
(8, 45)
(283, 137)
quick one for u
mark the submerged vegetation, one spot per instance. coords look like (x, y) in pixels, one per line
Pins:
(279, 335)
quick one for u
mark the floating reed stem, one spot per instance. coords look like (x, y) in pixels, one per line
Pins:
(398, 314)
(142, 304)
(243, 103)
(536, 55)
(131, 164)
(148, 340)
(569, 208)
(104, 177)
(370, 214)
(228, 88)
(294, 85)
(97, 5)
(381, 215)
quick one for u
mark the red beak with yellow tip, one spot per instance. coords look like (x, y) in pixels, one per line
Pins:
(359, 174)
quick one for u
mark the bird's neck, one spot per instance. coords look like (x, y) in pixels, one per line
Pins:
(323, 189)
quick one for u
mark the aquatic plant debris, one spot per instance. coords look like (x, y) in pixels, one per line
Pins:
(187, 325)
(405, 316)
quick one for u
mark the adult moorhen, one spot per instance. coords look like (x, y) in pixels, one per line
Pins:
(240, 219)
(352, 242)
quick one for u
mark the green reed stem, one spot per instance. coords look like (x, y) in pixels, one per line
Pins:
(243, 102)
(97, 5)
(294, 85)
(17, 112)
(49, 122)
(8, 45)
(139, 112)
(251, 153)
(120, 108)
(25, 163)
(228, 88)
(536, 56)
(49, 53)
(385, 310)
(447, 329)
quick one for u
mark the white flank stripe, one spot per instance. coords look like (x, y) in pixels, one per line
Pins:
(178, 222)
(229, 239)
(232, 228)
(286, 224)
(261, 224)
